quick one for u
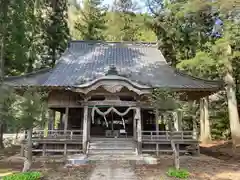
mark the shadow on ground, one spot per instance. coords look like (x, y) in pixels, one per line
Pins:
(221, 150)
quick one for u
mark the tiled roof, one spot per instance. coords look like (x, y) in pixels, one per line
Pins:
(143, 63)
(30, 79)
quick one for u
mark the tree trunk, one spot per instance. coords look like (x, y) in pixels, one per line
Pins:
(28, 159)
(233, 110)
(207, 133)
(175, 148)
(2, 61)
(3, 26)
(202, 123)
(1, 136)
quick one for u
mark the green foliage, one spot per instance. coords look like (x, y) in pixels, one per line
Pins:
(91, 21)
(164, 99)
(24, 176)
(35, 34)
(181, 173)
(30, 109)
(55, 28)
(117, 24)
(181, 33)
(7, 98)
(183, 29)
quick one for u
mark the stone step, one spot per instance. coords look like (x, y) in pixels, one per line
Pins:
(112, 148)
(112, 144)
(113, 152)
(112, 139)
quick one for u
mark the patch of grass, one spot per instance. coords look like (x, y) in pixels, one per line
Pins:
(24, 176)
(181, 173)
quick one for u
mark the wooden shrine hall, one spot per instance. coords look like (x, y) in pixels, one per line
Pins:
(99, 100)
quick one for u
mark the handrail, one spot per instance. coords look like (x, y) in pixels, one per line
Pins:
(167, 135)
(54, 134)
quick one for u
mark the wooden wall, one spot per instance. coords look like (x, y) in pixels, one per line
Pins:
(61, 98)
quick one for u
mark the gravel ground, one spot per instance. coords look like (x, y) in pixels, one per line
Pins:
(201, 168)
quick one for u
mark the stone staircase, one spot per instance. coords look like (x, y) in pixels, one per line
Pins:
(111, 146)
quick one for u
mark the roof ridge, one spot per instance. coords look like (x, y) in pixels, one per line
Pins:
(116, 42)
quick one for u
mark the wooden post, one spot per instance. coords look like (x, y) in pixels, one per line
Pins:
(139, 130)
(44, 149)
(89, 125)
(85, 127)
(134, 127)
(22, 152)
(156, 121)
(51, 119)
(66, 120)
(65, 149)
(61, 126)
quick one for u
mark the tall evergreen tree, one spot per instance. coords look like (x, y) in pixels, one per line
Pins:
(56, 31)
(124, 16)
(91, 22)
(4, 5)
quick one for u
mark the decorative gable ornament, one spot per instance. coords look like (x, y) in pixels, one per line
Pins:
(112, 70)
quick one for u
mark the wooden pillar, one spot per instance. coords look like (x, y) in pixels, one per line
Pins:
(44, 150)
(139, 129)
(180, 119)
(89, 125)
(51, 121)
(134, 127)
(85, 127)
(157, 116)
(66, 120)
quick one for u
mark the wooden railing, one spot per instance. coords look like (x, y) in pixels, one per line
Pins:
(168, 135)
(57, 134)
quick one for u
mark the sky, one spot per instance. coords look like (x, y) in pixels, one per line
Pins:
(141, 3)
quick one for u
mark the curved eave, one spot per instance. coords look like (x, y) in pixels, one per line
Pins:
(35, 78)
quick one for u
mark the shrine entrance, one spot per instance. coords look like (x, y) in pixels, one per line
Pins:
(112, 122)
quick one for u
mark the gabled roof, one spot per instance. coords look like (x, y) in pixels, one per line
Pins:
(143, 63)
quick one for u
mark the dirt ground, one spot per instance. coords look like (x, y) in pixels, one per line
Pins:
(216, 163)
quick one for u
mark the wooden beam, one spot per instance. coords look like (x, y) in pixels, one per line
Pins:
(116, 103)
